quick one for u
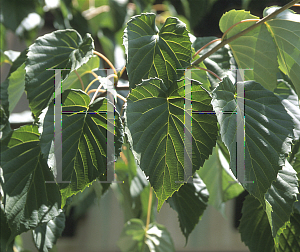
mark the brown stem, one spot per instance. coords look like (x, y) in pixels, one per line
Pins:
(226, 41)
(243, 21)
(90, 84)
(122, 71)
(78, 76)
(211, 72)
(93, 12)
(149, 209)
(95, 75)
(107, 61)
(94, 90)
(203, 47)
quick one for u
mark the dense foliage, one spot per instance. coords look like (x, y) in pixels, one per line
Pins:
(166, 69)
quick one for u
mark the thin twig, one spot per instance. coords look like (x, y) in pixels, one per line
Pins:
(121, 97)
(78, 76)
(149, 209)
(226, 41)
(107, 61)
(243, 21)
(122, 71)
(211, 72)
(203, 47)
(90, 84)
(93, 12)
(95, 75)
(94, 90)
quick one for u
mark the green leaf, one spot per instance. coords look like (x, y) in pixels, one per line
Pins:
(63, 49)
(280, 198)
(29, 201)
(46, 235)
(154, 53)
(296, 166)
(134, 238)
(155, 128)
(289, 239)
(285, 30)
(6, 99)
(5, 128)
(290, 101)
(268, 132)
(254, 226)
(254, 50)
(189, 202)
(84, 148)
(221, 183)
(199, 74)
(16, 87)
(72, 82)
(5, 233)
(2, 37)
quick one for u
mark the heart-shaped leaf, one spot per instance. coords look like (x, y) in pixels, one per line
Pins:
(285, 30)
(254, 227)
(29, 200)
(64, 49)
(154, 53)
(155, 128)
(268, 131)
(254, 51)
(84, 147)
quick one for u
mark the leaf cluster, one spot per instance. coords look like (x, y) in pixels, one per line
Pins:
(185, 134)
